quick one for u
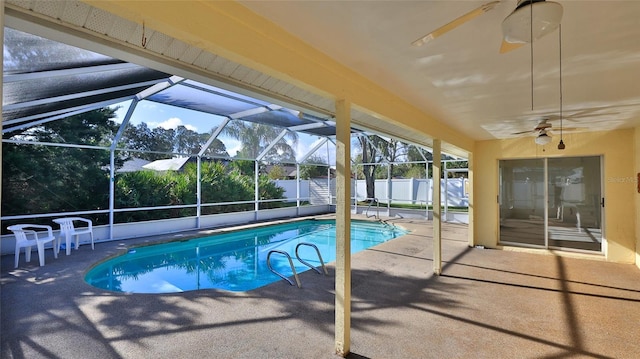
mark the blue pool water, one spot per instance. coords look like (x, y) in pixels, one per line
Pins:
(234, 261)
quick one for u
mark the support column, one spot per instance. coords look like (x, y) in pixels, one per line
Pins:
(389, 189)
(445, 180)
(437, 212)
(469, 189)
(198, 192)
(297, 189)
(343, 229)
(256, 190)
(426, 200)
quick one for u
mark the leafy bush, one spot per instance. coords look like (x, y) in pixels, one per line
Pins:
(219, 184)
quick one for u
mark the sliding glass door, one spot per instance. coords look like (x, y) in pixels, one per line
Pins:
(551, 203)
(575, 203)
(522, 187)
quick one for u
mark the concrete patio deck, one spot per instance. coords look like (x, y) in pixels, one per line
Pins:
(487, 304)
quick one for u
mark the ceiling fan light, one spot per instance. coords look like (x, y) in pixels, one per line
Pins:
(543, 139)
(546, 18)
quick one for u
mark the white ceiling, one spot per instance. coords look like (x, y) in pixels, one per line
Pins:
(462, 79)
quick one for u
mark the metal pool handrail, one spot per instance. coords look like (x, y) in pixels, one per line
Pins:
(293, 269)
(371, 200)
(309, 264)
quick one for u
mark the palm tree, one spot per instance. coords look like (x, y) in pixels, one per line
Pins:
(255, 137)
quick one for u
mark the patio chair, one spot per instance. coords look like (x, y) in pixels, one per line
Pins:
(26, 237)
(68, 230)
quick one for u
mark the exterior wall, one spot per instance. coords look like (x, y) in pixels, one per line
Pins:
(617, 151)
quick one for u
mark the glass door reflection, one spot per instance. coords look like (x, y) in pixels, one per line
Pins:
(574, 187)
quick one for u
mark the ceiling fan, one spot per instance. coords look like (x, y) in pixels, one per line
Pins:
(543, 131)
(530, 19)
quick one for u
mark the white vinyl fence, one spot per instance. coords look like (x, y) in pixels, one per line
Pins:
(403, 190)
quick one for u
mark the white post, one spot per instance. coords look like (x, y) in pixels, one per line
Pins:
(437, 212)
(112, 175)
(198, 190)
(428, 190)
(297, 189)
(329, 176)
(343, 229)
(446, 192)
(112, 189)
(412, 190)
(388, 189)
(256, 192)
(355, 191)
(470, 213)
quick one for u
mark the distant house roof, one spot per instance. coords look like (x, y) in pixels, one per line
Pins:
(172, 164)
(133, 165)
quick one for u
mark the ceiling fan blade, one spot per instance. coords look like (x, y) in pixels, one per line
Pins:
(522, 132)
(509, 46)
(568, 129)
(455, 23)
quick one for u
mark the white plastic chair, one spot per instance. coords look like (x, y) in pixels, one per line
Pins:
(68, 230)
(26, 237)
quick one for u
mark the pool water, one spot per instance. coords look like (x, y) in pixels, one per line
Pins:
(234, 261)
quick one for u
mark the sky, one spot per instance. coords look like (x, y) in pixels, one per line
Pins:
(170, 117)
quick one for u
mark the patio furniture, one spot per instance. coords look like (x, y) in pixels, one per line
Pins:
(68, 230)
(26, 237)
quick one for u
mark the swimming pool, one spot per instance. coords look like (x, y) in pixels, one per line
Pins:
(234, 261)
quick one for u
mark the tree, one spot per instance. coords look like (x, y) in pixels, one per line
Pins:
(313, 167)
(255, 137)
(216, 148)
(277, 172)
(456, 165)
(181, 140)
(417, 168)
(41, 179)
(187, 141)
(369, 156)
(141, 138)
(394, 151)
(244, 167)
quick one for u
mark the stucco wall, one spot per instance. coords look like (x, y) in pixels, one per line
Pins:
(617, 149)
